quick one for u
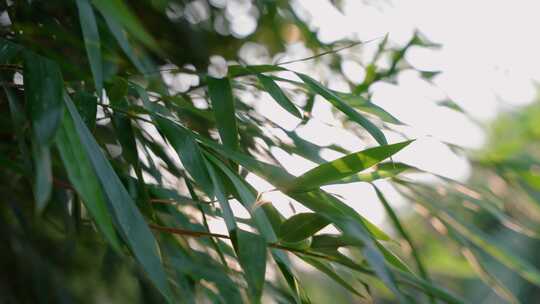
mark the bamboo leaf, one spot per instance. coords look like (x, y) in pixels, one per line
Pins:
(43, 87)
(383, 170)
(43, 175)
(87, 106)
(401, 229)
(279, 96)
(91, 42)
(344, 166)
(327, 269)
(127, 217)
(252, 257)
(222, 99)
(183, 143)
(123, 42)
(341, 105)
(301, 226)
(122, 13)
(83, 178)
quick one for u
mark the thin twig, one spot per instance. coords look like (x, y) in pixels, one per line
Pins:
(185, 232)
(328, 52)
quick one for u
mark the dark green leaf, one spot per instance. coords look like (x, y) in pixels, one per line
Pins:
(43, 175)
(183, 143)
(301, 226)
(83, 178)
(91, 42)
(123, 42)
(222, 98)
(87, 106)
(279, 96)
(124, 16)
(43, 87)
(252, 258)
(127, 217)
(330, 272)
(340, 104)
(363, 105)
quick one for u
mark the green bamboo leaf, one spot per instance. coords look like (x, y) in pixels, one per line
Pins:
(222, 99)
(357, 230)
(122, 14)
(279, 96)
(301, 226)
(18, 118)
(252, 258)
(263, 223)
(428, 287)
(182, 141)
(401, 229)
(330, 242)
(219, 191)
(318, 200)
(363, 105)
(344, 166)
(384, 170)
(123, 42)
(327, 269)
(189, 152)
(344, 107)
(83, 178)
(87, 106)
(91, 42)
(43, 87)
(43, 175)
(127, 217)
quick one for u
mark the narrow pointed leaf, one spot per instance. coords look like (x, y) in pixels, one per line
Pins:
(327, 269)
(91, 42)
(123, 14)
(43, 175)
(127, 217)
(384, 170)
(279, 96)
(183, 143)
(401, 229)
(252, 258)
(301, 226)
(344, 166)
(87, 106)
(123, 42)
(340, 104)
(219, 191)
(222, 99)
(43, 87)
(83, 178)
(363, 105)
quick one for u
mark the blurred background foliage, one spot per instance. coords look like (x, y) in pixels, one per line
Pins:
(125, 116)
